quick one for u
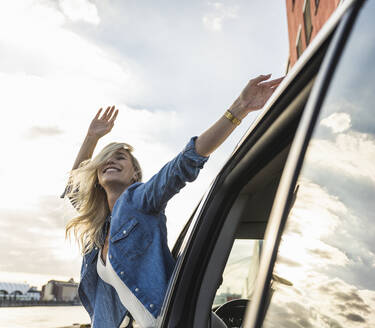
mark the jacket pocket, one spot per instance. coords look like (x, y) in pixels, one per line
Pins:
(125, 229)
(132, 239)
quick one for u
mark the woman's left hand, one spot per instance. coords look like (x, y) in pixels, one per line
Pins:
(254, 95)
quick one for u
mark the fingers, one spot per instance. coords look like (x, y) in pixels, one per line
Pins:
(108, 114)
(97, 114)
(260, 78)
(274, 82)
(112, 120)
(104, 114)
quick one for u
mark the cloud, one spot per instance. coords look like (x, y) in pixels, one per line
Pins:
(323, 254)
(324, 218)
(220, 13)
(353, 296)
(35, 241)
(343, 168)
(354, 317)
(333, 286)
(41, 131)
(360, 307)
(287, 261)
(351, 153)
(338, 122)
(77, 10)
(190, 70)
(318, 303)
(333, 283)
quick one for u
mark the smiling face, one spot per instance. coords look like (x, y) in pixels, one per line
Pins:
(117, 171)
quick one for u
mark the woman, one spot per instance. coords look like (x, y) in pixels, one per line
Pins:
(121, 227)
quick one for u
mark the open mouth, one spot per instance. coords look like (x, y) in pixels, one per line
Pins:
(111, 169)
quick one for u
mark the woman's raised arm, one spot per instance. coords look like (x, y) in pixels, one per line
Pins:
(153, 195)
(98, 128)
(252, 98)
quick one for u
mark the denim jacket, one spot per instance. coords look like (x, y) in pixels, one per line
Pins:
(138, 249)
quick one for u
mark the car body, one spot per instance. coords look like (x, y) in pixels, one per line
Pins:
(297, 196)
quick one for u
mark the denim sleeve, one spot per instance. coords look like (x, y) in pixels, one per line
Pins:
(153, 195)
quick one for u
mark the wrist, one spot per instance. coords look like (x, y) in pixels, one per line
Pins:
(237, 110)
(92, 137)
(232, 118)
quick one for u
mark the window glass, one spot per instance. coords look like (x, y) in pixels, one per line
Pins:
(307, 21)
(240, 272)
(299, 42)
(327, 251)
(238, 281)
(316, 5)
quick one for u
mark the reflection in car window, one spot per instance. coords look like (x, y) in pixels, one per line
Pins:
(240, 272)
(327, 250)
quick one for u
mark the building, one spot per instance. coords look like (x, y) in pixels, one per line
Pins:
(65, 291)
(18, 291)
(305, 19)
(34, 294)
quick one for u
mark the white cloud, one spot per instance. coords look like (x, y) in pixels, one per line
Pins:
(338, 122)
(54, 79)
(317, 214)
(321, 302)
(77, 10)
(220, 13)
(331, 277)
(350, 152)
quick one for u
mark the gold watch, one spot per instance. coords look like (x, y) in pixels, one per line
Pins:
(232, 118)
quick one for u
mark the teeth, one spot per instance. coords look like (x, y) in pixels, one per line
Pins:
(111, 170)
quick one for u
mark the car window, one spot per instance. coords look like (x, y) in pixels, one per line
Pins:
(326, 258)
(238, 281)
(240, 272)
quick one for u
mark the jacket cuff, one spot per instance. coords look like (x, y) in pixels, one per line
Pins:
(190, 153)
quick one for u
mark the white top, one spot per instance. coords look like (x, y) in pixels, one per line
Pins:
(140, 314)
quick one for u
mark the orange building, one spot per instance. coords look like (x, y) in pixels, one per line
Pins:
(305, 19)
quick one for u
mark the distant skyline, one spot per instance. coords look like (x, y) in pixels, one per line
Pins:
(172, 68)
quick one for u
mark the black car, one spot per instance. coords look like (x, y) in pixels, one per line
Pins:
(285, 237)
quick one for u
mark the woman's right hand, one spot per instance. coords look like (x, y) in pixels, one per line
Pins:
(100, 126)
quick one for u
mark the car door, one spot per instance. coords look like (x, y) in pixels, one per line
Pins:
(324, 245)
(237, 206)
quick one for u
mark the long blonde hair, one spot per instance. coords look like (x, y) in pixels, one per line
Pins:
(90, 199)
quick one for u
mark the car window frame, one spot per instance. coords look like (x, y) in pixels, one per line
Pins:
(221, 250)
(285, 195)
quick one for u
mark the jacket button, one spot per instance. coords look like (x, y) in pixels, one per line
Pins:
(137, 289)
(124, 232)
(110, 256)
(151, 306)
(96, 248)
(122, 272)
(86, 265)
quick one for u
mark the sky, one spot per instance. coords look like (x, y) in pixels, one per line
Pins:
(171, 67)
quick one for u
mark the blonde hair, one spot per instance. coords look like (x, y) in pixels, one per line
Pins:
(90, 199)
